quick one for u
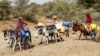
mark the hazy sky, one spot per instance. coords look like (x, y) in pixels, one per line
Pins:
(44, 1)
(40, 1)
(37, 1)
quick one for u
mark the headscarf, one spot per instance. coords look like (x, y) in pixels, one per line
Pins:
(88, 18)
(20, 20)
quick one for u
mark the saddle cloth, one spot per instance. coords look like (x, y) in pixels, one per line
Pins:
(66, 23)
(40, 24)
(93, 26)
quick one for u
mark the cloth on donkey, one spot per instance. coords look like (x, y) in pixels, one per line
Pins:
(98, 28)
(66, 25)
(59, 25)
(62, 29)
(93, 26)
(40, 24)
(51, 24)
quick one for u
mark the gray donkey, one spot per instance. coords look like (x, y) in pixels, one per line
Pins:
(46, 32)
(12, 39)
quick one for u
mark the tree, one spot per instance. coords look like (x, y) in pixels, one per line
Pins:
(30, 13)
(27, 11)
(97, 6)
(62, 9)
(20, 5)
(4, 9)
(47, 9)
(87, 3)
(56, 7)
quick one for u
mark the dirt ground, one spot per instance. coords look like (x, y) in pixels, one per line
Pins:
(72, 47)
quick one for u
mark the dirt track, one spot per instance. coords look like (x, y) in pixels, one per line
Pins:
(72, 47)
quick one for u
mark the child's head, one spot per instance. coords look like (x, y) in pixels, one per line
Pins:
(54, 18)
(20, 18)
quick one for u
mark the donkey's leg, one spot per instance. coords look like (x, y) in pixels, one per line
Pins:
(41, 40)
(30, 39)
(80, 36)
(27, 42)
(98, 39)
(51, 38)
(45, 40)
(11, 43)
(67, 34)
(60, 38)
(55, 36)
(14, 46)
(19, 43)
(86, 37)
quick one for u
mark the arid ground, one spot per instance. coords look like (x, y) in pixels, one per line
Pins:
(72, 47)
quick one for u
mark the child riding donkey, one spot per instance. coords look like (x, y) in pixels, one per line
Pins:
(19, 34)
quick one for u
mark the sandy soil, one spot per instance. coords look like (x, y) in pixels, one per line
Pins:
(72, 47)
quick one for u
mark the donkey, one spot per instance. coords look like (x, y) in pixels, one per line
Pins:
(82, 28)
(15, 39)
(63, 29)
(12, 39)
(46, 32)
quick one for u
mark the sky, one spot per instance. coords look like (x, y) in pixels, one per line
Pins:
(36, 1)
(44, 1)
(40, 1)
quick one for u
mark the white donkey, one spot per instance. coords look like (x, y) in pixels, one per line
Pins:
(46, 33)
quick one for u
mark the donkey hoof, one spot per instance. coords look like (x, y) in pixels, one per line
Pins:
(46, 43)
(21, 50)
(40, 43)
(12, 52)
(5, 39)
